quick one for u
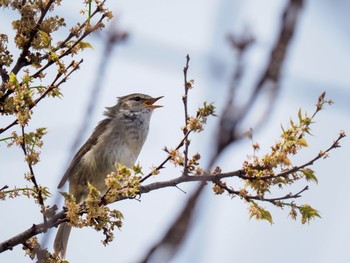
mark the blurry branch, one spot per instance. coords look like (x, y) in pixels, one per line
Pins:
(113, 37)
(164, 250)
(231, 117)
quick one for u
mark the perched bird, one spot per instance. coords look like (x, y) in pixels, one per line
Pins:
(116, 139)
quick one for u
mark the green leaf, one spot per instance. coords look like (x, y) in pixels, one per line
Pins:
(83, 45)
(308, 213)
(302, 142)
(53, 56)
(45, 38)
(260, 213)
(309, 175)
(137, 168)
(266, 215)
(282, 128)
(13, 78)
(300, 116)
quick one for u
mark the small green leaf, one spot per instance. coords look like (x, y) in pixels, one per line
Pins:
(45, 38)
(53, 56)
(309, 175)
(13, 78)
(137, 168)
(300, 116)
(266, 215)
(83, 45)
(282, 128)
(302, 142)
(259, 213)
(308, 213)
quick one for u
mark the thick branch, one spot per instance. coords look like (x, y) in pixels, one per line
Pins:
(32, 231)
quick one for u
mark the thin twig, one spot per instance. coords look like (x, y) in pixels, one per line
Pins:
(260, 198)
(32, 175)
(322, 154)
(186, 132)
(161, 166)
(185, 102)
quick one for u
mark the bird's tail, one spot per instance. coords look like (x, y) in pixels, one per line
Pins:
(61, 240)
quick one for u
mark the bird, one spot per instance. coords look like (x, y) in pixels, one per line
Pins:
(117, 139)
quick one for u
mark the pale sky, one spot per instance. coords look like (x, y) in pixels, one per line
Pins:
(151, 61)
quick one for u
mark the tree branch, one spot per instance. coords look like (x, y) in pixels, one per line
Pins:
(187, 86)
(21, 61)
(51, 87)
(143, 189)
(32, 175)
(161, 166)
(34, 230)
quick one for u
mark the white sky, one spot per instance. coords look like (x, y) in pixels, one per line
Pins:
(151, 61)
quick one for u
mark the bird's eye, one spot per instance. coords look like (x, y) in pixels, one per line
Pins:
(137, 98)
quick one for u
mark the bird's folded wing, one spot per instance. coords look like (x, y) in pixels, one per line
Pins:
(76, 162)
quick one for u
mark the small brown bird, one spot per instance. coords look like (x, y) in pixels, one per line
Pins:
(116, 139)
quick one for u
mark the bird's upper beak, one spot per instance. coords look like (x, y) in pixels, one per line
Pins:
(149, 103)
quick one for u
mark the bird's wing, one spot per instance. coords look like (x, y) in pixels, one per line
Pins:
(72, 168)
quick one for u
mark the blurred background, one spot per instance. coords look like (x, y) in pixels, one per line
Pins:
(150, 61)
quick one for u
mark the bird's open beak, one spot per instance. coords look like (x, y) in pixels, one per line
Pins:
(149, 103)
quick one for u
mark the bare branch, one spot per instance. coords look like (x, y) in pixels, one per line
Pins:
(34, 230)
(187, 86)
(269, 79)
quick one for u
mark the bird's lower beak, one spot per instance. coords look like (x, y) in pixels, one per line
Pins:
(149, 103)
